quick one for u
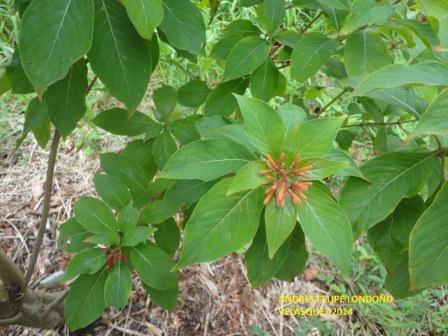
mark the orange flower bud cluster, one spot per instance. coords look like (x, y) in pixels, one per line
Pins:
(286, 179)
(113, 256)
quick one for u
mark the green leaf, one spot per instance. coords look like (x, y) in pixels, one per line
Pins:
(390, 238)
(153, 266)
(96, 217)
(112, 190)
(14, 73)
(428, 245)
(119, 56)
(434, 120)
(168, 236)
(274, 11)
(292, 116)
(261, 268)
(87, 261)
(166, 299)
(351, 168)
(72, 236)
(365, 52)
(36, 116)
(314, 138)
(158, 211)
(437, 8)
(296, 258)
(65, 99)
(392, 177)
(327, 227)
(128, 218)
(241, 28)
(366, 12)
(118, 286)
(264, 81)
(183, 25)
(185, 130)
(248, 177)
(323, 168)
(246, 56)
(310, 54)
(193, 94)
(187, 192)
(429, 73)
(221, 100)
(146, 15)
(140, 152)
(53, 36)
(164, 147)
(165, 99)
(280, 223)
(262, 124)
(236, 133)
(397, 281)
(222, 48)
(206, 160)
(136, 236)
(85, 301)
(220, 224)
(129, 172)
(402, 98)
(118, 121)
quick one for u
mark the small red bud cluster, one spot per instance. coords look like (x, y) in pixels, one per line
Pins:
(286, 179)
(114, 255)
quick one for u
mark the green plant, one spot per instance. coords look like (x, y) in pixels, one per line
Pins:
(231, 173)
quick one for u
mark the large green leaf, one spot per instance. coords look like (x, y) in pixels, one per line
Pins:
(164, 147)
(164, 298)
(280, 223)
(261, 268)
(327, 227)
(397, 280)
(429, 73)
(221, 100)
(390, 238)
(16, 76)
(274, 11)
(434, 120)
(146, 15)
(262, 124)
(193, 94)
(112, 190)
(65, 99)
(119, 56)
(310, 54)
(72, 236)
(96, 217)
(296, 258)
(165, 99)
(118, 285)
(159, 211)
(365, 52)
(53, 36)
(167, 236)
(392, 177)
(264, 81)
(183, 25)
(314, 138)
(118, 121)
(428, 245)
(187, 192)
(153, 266)
(221, 224)
(366, 12)
(246, 56)
(323, 168)
(85, 301)
(402, 98)
(87, 261)
(248, 177)
(206, 160)
(129, 172)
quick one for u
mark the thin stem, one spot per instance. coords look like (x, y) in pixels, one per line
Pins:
(10, 274)
(46, 205)
(92, 83)
(400, 122)
(333, 101)
(310, 24)
(54, 305)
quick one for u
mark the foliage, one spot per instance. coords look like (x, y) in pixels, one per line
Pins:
(234, 173)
